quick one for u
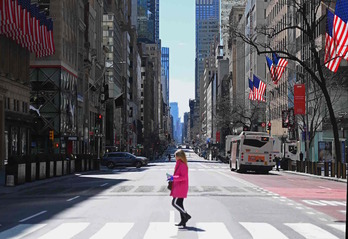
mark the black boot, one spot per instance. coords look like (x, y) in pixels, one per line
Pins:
(186, 218)
(181, 223)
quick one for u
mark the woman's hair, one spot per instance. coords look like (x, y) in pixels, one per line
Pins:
(180, 154)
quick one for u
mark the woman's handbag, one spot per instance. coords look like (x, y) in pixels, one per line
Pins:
(170, 185)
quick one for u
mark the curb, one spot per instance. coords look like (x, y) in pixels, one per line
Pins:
(316, 176)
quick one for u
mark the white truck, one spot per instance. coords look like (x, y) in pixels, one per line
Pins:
(285, 151)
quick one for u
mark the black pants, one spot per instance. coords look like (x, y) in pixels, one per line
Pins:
(178, 204)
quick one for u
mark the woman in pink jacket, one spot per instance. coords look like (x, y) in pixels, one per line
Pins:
(180, 186)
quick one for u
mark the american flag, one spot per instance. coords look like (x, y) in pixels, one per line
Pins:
(271, 68)
(280, 64)
(23, 23)
(332, 60)
(259, 89)
(251, 93)
(340, 28)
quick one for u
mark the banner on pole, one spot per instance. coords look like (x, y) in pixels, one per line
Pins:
(299, 99)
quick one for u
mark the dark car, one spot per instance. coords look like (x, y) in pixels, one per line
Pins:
(113, 159)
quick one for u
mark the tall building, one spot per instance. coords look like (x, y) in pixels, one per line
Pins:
(174, 111)
(66, 86)
(165, 74)
(113, 78)
(226, 7)
(207, 27)
(148, 21)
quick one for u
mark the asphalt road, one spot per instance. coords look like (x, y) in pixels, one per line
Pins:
(134, 203)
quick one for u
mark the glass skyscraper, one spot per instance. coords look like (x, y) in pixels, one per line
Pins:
(148, 21)
(165, 73)
(207, 28)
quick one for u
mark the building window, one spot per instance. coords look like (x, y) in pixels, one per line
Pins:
(15, 105)
(7, 103)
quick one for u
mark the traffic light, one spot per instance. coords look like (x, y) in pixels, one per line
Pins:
(269, 126)
(99, 118)
(56, 145)
(51, 135)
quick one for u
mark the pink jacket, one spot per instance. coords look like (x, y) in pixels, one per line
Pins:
(180, 180)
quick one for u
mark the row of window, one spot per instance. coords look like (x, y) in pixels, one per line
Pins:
(16, 105)
(277, 111)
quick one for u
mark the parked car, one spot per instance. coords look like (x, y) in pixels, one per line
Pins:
(113, 159)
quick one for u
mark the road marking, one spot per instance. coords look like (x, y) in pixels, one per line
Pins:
(66, 230)
(103, 184)
(341, 227)
(310, 213)
(20, 231)
(324, 187)
(72, 198)
(35, 215)
(204, 166)
(237, 179)
(213, 230)
(324, 203)
(263, 231)
(160, 230)
(310, 231)
(171, 217)
(299, 208)
(342, 211)
(108, 231)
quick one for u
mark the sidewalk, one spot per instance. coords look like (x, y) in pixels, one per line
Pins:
(316, 176)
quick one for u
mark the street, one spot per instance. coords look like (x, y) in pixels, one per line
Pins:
(134, 203)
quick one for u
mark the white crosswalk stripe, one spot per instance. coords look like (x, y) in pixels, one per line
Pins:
(161, 230)
(108, 231)
(341, 227)
(310, 231)
(164, 230)
(20, 231)
(212, 229)
(65, 230)
(263, 231)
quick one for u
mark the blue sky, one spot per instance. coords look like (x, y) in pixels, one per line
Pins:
(177, 31)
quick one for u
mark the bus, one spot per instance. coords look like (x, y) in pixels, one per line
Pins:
(250, 151)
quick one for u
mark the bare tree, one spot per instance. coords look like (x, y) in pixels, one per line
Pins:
(310, 20)
(317, 111)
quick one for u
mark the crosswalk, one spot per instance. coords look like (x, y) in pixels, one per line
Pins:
(167, 230)
(170, 169)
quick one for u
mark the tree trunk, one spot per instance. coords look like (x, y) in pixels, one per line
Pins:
(334, 125)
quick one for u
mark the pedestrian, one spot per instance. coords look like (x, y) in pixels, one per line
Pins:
(180, 186)
(277, 163)
(169, 157)
(301, 156)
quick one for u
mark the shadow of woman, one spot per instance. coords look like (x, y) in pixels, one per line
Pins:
(195, 229)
